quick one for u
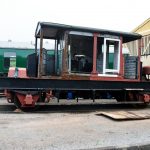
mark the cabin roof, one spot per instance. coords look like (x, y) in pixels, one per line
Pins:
(51, 30)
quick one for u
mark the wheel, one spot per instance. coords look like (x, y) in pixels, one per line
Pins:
(17, 102)
(120, 96)
(25, 109)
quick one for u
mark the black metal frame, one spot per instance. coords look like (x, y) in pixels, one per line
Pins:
(55, 84)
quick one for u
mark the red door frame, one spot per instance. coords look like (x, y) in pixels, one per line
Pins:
(94, 71)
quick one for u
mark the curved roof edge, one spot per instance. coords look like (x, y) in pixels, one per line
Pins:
(127, 36)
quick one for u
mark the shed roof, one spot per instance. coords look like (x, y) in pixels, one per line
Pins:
(17, 45)
(143, 28)
(49, 45)
(51, 30)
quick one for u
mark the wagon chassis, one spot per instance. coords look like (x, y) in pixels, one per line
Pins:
(55, 84)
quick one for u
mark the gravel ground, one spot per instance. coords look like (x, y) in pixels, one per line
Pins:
(69, 130)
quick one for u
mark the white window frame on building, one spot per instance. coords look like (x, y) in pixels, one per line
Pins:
(11, 56)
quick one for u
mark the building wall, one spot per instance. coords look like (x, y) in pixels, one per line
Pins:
(145, 60)
(144, 30)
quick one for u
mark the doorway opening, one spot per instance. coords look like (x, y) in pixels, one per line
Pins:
(108, 56)
(80, 53)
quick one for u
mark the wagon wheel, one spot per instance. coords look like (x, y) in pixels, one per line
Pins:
(17, 102)
(25, 109)
(135, 96)
(120, 96)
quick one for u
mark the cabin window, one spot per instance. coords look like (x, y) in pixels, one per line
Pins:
(6, 62)
(9, 59)
(80, 53)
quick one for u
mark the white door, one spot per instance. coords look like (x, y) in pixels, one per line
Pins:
(111, 56)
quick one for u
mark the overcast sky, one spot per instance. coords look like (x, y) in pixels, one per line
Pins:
(19, 17)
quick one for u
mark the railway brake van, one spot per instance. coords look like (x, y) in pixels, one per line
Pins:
(87, 63)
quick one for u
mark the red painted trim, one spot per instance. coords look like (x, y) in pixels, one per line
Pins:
(100, 78)
(94, 71)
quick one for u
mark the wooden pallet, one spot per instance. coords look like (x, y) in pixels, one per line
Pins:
(126, 115)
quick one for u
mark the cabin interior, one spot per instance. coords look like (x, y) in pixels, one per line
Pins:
(80, 55)
(80, 52)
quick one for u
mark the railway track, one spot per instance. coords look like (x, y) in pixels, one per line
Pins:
(71, 106)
